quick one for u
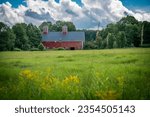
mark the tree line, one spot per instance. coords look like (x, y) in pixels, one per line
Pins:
(128, 32)
(19, 37)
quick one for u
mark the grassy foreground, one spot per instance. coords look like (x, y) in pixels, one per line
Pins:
(84, 74)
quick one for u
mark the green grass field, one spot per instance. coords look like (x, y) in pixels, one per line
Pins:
(79, 74)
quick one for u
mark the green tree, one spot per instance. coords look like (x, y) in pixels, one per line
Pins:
(7, 38)
(58, 26)
(71, 26)
(133, 34)
(41, 47)
(115, 44)
(132, 29)
(21, 41)
(121, 39)
(146, 32)
(112, 28)
(98, 40)
(110, 40)
(104, 44)
(90, 35)
(34, 35)
(49, 24)
(90, 45)
(142, 33)
(128, 20)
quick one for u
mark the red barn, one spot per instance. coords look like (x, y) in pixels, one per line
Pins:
(68, 40)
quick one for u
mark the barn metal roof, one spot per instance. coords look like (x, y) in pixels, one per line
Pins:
(59, 36)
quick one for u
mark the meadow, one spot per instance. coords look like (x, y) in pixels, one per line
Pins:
(80, 74)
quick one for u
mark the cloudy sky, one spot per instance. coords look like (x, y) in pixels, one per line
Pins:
(83, 13)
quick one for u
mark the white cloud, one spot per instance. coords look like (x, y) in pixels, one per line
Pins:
(88, 16)
(9, 15)
(142, 16)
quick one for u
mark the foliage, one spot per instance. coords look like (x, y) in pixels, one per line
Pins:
(58, 26)
(90, 45)
(17, 49)
(110, 40)
(21, 40)
(21, 36)
(98, 40)
(60, 48)
(34, 35)
(34, 49)
(90, 35)
(7, 38)
(90, 42)
(41, 47)
(146, 32)
(121, 39)
(125, 33)
(49, 24)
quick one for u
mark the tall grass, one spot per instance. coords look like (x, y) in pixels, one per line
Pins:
(92, 74)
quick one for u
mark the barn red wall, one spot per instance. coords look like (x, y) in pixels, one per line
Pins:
(67, 44)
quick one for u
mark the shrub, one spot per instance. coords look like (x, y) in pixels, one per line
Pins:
(17, 49)
(41, 47)
(60, 48)
(34, 49)
(26, 47)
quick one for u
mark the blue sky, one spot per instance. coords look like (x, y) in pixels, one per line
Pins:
(14, 3)
(137, 4)
(130, 4)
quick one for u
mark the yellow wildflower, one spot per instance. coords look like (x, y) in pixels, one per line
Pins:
(28, 74)
(48, 82)
(71, 79)
(107, 95)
